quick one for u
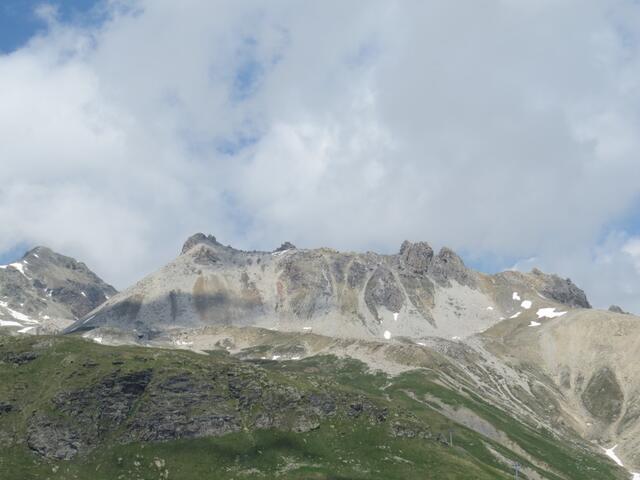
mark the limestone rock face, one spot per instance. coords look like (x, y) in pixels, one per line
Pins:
(413, 293)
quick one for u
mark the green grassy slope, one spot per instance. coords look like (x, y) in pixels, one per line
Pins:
(135, 413)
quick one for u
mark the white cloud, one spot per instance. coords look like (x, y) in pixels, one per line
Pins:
(505, 128)
(632, 248)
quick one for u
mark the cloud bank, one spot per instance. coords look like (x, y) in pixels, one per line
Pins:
(504, 129)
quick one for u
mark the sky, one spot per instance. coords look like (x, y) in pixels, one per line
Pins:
(504, 129)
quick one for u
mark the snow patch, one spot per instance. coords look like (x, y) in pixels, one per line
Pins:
(17, 315)
(295, 358)
(307, 329)
(20, 316)
(97, 339)
(9, 323)
(395, 316)
(534, 323)
(422, 344)
(83, 294)
(387, 335)
(489, 308)
(612, 455)
(455, 338)
(549, 313)
(526, 304)
(18, 266)
(515, 296)
(515, 315)
(25, 329)
(275, 357)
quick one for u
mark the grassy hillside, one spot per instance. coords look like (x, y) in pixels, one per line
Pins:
(72, 409)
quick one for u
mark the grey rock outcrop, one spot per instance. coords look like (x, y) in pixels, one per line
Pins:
(417, 257)
(447, 266)
(84, 416)
(218, 399)
(285, 246)
(617, 309)
(383, 291)
(53, 439)
(562, 290)
(5, 407)
(197, 239)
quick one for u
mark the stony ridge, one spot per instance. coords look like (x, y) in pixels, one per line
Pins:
(413, 293)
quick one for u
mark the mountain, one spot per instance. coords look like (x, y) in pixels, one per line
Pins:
(70, 409)
(414, 293)
(314, 363)
(45, 292)
(505, 337)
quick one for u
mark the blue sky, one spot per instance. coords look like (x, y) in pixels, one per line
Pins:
(19, 22)
(504, 130)
(13, 254)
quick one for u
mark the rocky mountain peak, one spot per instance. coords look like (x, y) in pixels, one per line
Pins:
(446, 255)
(197, 239)
(39, 252)
(285, 246)
(416, 256)
(44, 257)
(45, 290)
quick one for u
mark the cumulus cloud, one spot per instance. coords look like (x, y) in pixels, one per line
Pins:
(499, 128)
